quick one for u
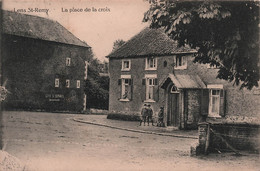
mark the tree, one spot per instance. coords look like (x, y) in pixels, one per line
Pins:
(118, 43)
(96, 86)
(225, 34)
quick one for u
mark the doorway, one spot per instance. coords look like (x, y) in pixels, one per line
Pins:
(173, 108)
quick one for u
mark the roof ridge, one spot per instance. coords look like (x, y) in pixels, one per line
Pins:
(149, 42)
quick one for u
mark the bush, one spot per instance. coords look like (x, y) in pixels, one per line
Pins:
(123, 117)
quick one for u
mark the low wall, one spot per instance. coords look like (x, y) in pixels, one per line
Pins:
(239, 136)
(223, 137)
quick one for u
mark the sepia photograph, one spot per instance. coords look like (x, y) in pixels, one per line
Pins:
(129, 85)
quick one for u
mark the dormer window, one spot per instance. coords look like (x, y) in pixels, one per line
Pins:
(68, 61)
(126, 65)
(181, 62)
(151, 63)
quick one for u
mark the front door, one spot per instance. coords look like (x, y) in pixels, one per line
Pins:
(173, 111)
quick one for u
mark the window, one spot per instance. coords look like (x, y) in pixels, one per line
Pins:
(78, 83)
(125, 87)
(68, 61)
(214, 105)
(57, 82)
(151, 87)
(67, 83)
(151, 63)
(126, 65)
(181, 62)
(165, 63)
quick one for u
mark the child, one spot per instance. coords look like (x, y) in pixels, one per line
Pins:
(160, 117)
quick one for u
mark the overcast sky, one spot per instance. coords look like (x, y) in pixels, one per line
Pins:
(122, 19)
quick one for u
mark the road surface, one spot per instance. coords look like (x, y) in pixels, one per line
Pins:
(53, 141)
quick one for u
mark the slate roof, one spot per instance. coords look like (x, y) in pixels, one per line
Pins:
(38, 28)
(182, 81)
(149, 42)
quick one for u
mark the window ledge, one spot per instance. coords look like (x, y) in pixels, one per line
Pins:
(150, 69)
(124, 100)
(214, 116)
(125, 69)
(149, 100)
(180, 68)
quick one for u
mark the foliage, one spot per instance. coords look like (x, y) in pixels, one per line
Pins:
(118, 43)
(226, 34)
(124, 117)
(96, 87)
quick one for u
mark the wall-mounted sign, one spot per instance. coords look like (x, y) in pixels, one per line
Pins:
(54, 96)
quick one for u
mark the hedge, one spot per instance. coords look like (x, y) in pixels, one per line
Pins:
(123, 117)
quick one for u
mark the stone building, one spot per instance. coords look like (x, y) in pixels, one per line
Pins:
(150, 68)
(43, 63)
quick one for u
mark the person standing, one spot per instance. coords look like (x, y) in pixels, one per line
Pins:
(143, 115)
(160, 117)
(150, 114)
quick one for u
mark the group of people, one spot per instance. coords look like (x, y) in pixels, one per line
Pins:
(147, 115)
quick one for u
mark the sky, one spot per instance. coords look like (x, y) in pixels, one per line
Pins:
(99, 24)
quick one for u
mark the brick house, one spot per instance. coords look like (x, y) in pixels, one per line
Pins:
(150, 68)
(43, 63)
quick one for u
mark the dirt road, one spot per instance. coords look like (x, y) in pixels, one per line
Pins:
(51, 141)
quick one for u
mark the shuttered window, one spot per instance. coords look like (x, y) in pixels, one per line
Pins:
(126, 89)
(216, 102)
(150, 90)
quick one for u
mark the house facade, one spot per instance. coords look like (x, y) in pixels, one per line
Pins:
(44, 65)
(150, 68)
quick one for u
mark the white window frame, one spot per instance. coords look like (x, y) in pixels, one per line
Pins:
(123, 87)
(149, 87)
(216, 96)
(78, 83)
(183, 62)
(57, 82)
(123, 66)
(68, 61)
(147, 64)
(212, 87)
(67, 83)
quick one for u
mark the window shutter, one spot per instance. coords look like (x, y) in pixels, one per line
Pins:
(130, 81)
(155, 81)
(222, 103)
(156, 93)
(131, 89)
(205, 102)
(119, 89)
(143, 90)
(143, 81)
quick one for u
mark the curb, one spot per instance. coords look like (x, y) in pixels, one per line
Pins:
(134, 130)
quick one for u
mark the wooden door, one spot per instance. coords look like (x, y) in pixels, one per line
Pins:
(173, 111)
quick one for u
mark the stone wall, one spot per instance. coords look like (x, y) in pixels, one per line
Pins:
(193, 108)
(225, 137)
(31, 66)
